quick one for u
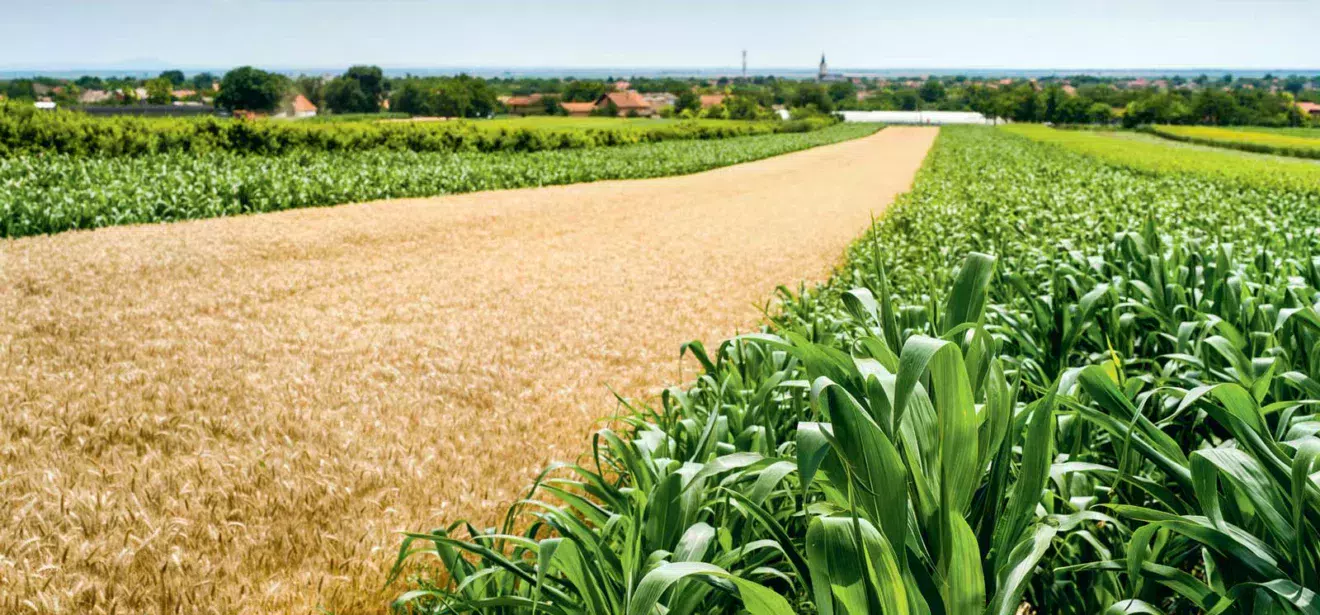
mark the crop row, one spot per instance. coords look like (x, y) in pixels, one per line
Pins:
(53, 193)
(1040, 378)
(1248, 141)
(24, 130)
(1149, 155)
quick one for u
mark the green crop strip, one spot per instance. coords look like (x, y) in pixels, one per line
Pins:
(1260, 142)
(1232, 167)
(54, 193)
(26, 130)
(1114, 413)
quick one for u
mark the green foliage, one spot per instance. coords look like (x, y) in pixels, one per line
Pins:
(1156, 157)
(813, 96)
(344, 95)
(1115, 414)
(201, 81)
(48, 193)
(358, 90)
(1281, 144)
(160, 91)
(175, 77)
(250, 89)
(22, 131)
(584, 91)
(687, 101)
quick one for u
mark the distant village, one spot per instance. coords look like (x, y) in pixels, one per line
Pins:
(1266, 100)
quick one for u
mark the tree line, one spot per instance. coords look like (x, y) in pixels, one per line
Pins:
(1077, 99)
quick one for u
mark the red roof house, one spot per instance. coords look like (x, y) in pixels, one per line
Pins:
(522, 105)
(1309, 108)
(628, 102)
(579, 109)
(711, 100)
(303, 107)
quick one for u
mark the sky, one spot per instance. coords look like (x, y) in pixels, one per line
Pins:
(1021, 34)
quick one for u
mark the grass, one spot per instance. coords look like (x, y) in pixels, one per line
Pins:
(1083, 382)
(1250, 141)
(55, 193)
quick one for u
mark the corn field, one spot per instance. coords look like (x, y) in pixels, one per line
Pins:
(1067, 373)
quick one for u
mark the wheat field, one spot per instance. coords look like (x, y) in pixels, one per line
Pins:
(238, 415)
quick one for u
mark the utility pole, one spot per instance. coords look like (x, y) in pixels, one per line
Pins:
(744, 64)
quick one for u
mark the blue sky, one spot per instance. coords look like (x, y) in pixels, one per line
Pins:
(673, 33)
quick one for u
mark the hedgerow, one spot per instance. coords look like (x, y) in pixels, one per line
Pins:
(26, 130)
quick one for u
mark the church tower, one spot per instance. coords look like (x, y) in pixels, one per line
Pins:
(824, 69)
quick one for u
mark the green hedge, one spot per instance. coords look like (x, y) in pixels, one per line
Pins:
(26, 130)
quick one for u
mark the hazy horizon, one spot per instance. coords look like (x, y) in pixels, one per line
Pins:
(599, 35)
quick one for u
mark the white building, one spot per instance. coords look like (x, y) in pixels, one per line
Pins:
(916, 117)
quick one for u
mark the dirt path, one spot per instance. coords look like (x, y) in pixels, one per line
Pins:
(236, 415)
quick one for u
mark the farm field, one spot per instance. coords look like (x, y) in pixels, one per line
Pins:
(1246, 140)
(54, 193)
(1084, 381)
(1150, 154)
(238, 415)
(1310, 133)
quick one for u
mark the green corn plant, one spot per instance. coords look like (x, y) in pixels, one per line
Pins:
(912, 454)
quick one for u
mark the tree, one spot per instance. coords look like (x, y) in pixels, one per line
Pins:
(344, 95)
(1218, 107)
(18, 89)
(1100, 113)
(687, 101)
(1294, 84)
(715, 112)
(160, 91)
(453, 100)
(585, 91)
(907, 99)
(412, 98)
(88, 82)
(358, 90)
(1027, 106)
(175, 78)
(461, 96)
(932, 91)
(744, 108)
(250, 89)
(813, 95)
(371, 80)
(203, 81)
(1054, 96)
(841, 91)
(481, 98)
